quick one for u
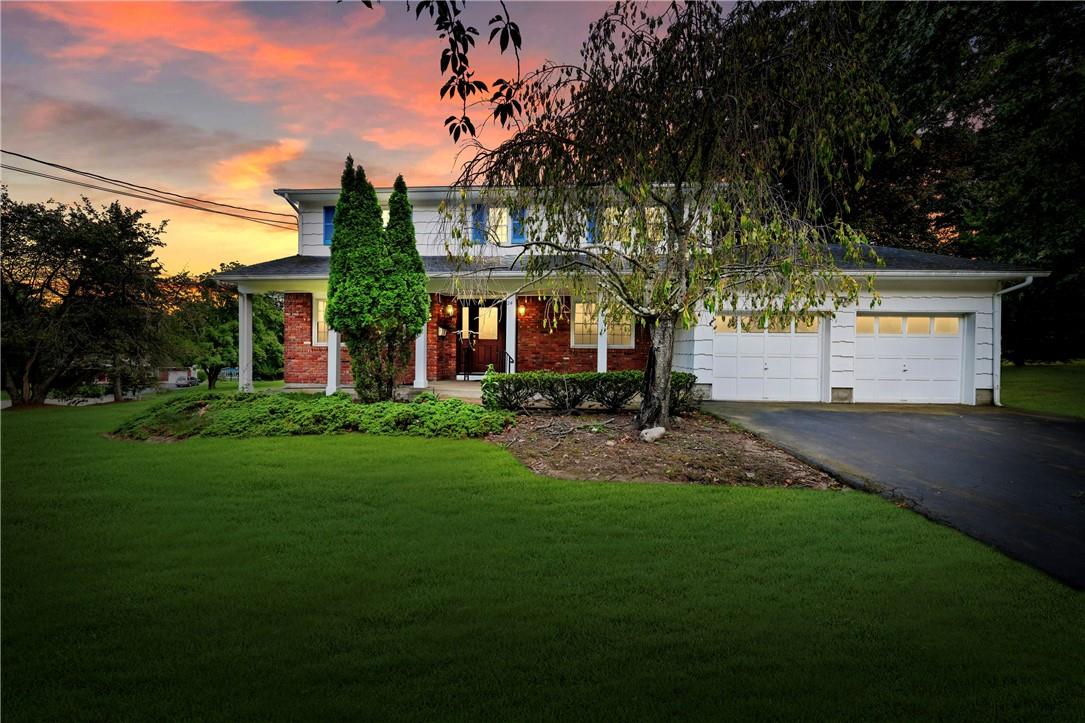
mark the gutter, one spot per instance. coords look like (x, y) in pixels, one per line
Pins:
(997, 392)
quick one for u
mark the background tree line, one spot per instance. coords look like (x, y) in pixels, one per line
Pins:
(83, 295)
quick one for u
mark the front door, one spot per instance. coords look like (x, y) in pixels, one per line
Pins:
(481, 336)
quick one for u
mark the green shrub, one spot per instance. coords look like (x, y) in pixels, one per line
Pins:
(684, 396)
(614, 390)
(564, 392)
(264, 414)
(611, 390)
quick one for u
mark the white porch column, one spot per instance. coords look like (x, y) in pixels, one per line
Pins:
(510, 333)
(601, 346)
(332, 385)
(244, 342)
(420, 381)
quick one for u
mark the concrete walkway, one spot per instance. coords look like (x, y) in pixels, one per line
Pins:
(1015, 481)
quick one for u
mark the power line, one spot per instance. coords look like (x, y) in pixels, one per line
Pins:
(121, 192)
(136, 186)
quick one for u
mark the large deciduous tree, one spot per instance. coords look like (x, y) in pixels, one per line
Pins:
(683, 164)
(80, 296)
(203, 325)
(996, 92)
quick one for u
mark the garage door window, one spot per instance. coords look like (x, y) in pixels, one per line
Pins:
(889, 325)
(807, 327)
(946, 326)
(864, 325)
(919, 326)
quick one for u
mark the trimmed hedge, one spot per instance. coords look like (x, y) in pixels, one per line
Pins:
(265, 414)
(565, 392)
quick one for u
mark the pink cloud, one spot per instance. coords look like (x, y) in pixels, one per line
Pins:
(253, 168)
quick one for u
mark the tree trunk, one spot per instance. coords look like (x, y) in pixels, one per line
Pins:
(212, 376)
(656, 394)
(115, 377)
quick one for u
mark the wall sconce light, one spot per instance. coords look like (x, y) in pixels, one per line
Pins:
(450, 310)
(521, 309)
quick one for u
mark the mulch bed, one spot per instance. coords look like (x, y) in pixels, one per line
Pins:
(697, 449)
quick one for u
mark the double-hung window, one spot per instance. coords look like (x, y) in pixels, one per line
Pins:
(329, 224)
(320, 326)
(585, 328)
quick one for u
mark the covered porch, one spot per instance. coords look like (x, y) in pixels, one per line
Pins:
(462, 338)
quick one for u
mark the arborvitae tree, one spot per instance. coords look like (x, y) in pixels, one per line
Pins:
(359, 263)
(404, 302)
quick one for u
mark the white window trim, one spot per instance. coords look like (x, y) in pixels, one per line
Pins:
(595, 345)
(313, 320)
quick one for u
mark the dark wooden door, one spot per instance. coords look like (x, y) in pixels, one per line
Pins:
(482, 336)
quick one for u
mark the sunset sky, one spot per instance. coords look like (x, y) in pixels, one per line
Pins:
(228, 101)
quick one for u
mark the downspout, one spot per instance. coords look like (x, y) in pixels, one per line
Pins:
(997, 392)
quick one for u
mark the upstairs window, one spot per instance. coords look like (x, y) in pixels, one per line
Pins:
(590, 232)
(329, 224)
(517, 228)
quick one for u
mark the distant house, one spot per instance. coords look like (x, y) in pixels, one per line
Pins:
(170, 376)
(935, 338)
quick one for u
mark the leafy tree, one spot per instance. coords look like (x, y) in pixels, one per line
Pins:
(460, 84)
(80, 296)
(996, 92)
(684, 162)
(203, 325)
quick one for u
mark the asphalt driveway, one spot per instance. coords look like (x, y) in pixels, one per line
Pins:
(1015, 481)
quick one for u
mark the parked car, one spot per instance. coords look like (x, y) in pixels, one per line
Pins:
(188, 382)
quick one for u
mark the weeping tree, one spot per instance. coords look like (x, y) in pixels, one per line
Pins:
(681, 166)
(376, 285)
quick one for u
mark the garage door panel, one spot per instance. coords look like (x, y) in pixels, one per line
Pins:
(778, 345)
(725, 366)
(725, 345)
(749, 366)
(804, 368)
(751, 345)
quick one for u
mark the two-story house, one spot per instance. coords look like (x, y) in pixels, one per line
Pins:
(934, 338)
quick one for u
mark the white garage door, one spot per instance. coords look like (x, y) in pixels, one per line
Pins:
(908, 358)
(780, 363)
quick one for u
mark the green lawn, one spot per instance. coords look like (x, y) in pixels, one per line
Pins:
(1052, 388)
(334, 578)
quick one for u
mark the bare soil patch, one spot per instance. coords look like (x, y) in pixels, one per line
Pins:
(697, 449)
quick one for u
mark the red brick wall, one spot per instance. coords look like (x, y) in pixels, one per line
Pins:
(441, 350)
(303, 362)
(537, 347)
(549, 347)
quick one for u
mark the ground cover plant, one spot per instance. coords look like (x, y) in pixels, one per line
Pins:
(240, 414)
(1047, 388)
(336, 577)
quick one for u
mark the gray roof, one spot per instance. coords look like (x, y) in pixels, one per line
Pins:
(903, 260)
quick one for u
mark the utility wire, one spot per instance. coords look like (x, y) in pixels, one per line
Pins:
(274, 224)
(136, 186)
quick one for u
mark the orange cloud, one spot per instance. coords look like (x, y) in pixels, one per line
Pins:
(253, 168)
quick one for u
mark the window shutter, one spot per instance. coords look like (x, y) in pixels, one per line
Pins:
(329, 224)
(518, 227)
(478, 223)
